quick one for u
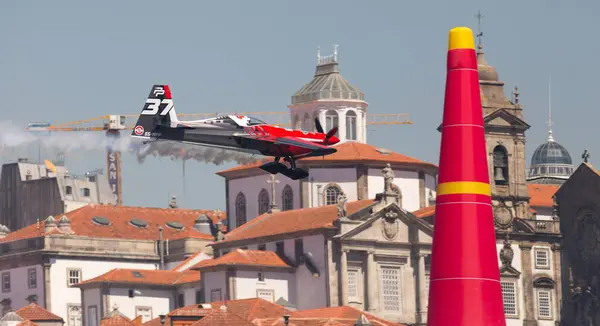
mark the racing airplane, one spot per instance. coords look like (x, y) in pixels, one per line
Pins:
(158, 121)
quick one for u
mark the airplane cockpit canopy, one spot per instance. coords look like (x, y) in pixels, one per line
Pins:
(254, 121)
(245, 121)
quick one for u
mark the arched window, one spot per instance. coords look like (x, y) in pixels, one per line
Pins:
(331, 120)
(263, 202)
(331, 194)
(306, 124)
(500, 165)
(240, 210)
(287, 198)
(350, 125)
(86, 192)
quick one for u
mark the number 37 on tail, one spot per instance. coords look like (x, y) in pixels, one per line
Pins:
(158, 121)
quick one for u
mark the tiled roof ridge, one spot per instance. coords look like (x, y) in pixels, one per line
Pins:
(185, 261)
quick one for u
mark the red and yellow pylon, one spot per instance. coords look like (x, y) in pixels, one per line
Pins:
(465, 278)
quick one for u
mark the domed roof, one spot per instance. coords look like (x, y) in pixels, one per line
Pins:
(327, 84)
(551, 152)
(486, 72)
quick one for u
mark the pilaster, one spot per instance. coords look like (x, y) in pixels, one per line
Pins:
(47, 287)
(556, 257)
(528, 295)
(373, 283)
(422, 290)
(344, 277)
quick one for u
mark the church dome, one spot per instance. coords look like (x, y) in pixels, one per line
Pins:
(551, 163)
(486, 72)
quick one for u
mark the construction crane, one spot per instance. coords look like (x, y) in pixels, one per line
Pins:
(113, 124)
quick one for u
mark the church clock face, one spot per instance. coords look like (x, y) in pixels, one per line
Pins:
(503, 217)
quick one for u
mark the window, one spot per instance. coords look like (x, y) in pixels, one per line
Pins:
(261, 276)
(92, 316)
(331, 120)
(200, 296)
(353, 281)
(298, 250)
(180, 302)
(6, 282)
(544, 304)
(262, 247)
(86, 192)
(331, 194)
(500, 165)
(306, 123)
(351, 125)
(268, 295)
(28, 177)
(287, 198)
(68, 190)
(280, 248)
(73, 315)
(73, 276)
(215, 295)
(542, 258)
(263, 202)
(240, 209)
(391, 290)
(427, 284)
(509, 297)
(32, 278)
(145, 312)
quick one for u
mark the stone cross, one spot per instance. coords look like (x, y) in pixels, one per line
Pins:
(585, 156)
(273, 181)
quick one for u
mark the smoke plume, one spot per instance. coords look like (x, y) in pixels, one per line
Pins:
(13, 136)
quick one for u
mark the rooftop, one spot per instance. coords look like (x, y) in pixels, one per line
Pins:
(124, 222)
(35, 312)
(241, 257)
(144, 277)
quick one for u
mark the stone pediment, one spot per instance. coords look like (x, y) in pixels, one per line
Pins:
(389, 224)
(503, 118)
(509, 271)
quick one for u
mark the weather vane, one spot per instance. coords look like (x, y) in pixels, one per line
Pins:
(585, 156)
(479, 16)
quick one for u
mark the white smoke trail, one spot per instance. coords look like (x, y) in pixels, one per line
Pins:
(13, 136)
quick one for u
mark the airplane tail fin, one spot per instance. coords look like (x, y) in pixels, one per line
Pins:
(159, 111)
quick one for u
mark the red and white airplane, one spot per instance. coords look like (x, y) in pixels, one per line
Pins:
(158, 121)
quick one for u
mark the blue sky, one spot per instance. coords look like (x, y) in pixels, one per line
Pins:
(69, 60)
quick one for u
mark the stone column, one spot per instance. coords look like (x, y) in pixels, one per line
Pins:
(526, 276)
(344, 277)
(556, 251)
(422, 289)
(47, 287)
(372, 282)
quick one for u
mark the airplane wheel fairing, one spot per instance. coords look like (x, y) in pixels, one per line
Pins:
(295, 174)
(273, 167)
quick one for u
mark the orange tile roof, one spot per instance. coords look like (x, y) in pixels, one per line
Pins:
(287, 222)
(248, 309)
(425, 212)
(115, 318)
(27, 323)
(156, 322)
(36, 312)
(541, 194)
(223, 318)
(241, 257)
(351, 152)
(149, 277)
(183, 263)
(341, 313)
(120, 216)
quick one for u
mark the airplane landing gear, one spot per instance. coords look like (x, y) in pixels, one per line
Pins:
(293, 172)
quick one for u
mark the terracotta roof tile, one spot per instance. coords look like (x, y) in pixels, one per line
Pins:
(141, 276)
(186, 261)
(249, 309)
(341, 313)
(121, 228)
(425, 212)
(36, 312)
(541, 194)
(223, 318)
(115, 318)
(156, 322)
(27, 323)
(286, 222)
(347, 152)
(305, 322)
(241, 257)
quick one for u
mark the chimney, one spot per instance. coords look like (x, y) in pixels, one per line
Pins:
(64, 225)
(50, 224)
(362, 321)
(173, 202)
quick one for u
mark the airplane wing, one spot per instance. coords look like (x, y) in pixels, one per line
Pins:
(298, 143)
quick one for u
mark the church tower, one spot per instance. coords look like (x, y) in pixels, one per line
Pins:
(505, 138)
(333, 100)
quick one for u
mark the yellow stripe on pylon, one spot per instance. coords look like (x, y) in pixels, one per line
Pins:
(463, 187)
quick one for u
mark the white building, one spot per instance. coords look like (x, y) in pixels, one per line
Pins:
(43, 262)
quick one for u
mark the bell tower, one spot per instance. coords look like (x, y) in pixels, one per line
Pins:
(333, 100)
(505, 140)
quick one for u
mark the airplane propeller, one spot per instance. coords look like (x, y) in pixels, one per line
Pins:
(329, 134)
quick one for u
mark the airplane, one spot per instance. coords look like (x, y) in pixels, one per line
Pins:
(158, 122)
